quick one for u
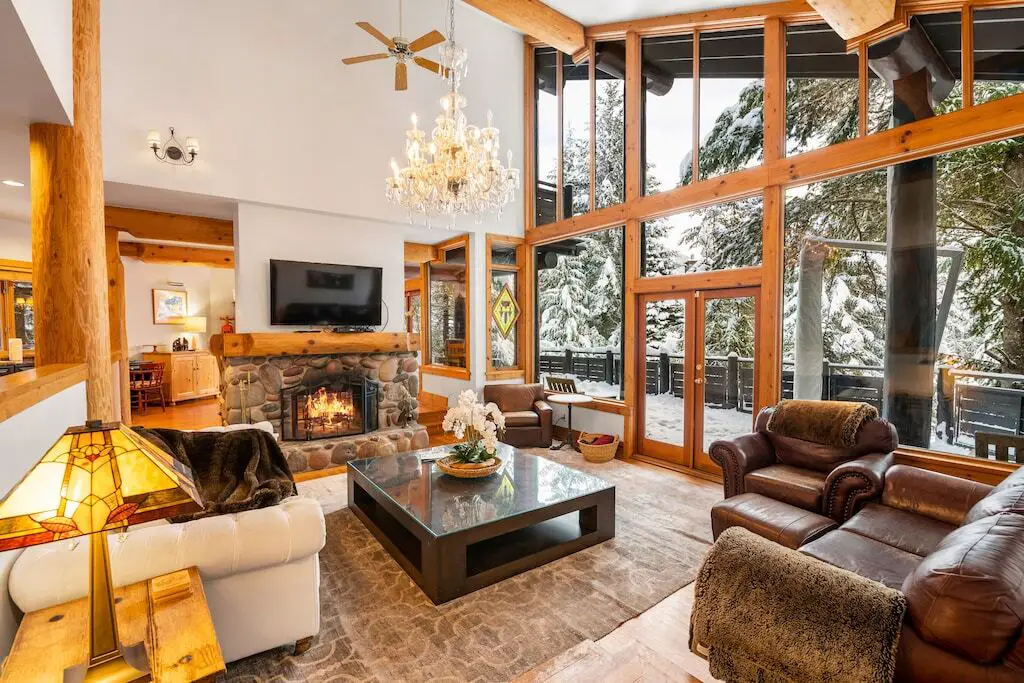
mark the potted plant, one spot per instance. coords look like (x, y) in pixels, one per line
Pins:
(480, 425)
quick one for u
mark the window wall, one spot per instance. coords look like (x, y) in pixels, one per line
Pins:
(504, 273)
(576, 151)
(822, 91)
(998, 53)
(668, 112)
(17, 312)
(580, 290)
(858, 323)
(610, 124)
(716, 237)
(547, 138)
(448, 311)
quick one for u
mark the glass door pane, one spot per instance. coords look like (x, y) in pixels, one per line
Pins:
(725, 370)
(665, 375)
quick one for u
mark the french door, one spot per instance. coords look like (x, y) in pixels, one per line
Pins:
(697, 375)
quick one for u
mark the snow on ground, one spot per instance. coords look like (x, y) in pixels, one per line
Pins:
(663, 420)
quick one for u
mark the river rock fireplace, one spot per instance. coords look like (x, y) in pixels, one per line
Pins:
(343, 407)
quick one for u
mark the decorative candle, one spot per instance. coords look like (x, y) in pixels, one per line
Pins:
(14, 350)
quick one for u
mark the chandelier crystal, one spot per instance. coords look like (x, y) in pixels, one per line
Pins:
(457, 170)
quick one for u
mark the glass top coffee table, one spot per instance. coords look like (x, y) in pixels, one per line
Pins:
(455, 536)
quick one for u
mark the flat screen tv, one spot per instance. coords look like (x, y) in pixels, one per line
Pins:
(322, 294)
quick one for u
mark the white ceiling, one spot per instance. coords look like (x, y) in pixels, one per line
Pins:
(590, 12)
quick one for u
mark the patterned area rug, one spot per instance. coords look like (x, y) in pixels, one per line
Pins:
(378, 626)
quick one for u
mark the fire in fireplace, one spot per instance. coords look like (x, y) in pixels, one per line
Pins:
(342, 407)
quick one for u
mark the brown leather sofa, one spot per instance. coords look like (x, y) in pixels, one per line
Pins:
(955, 549)
(822, 479)
(527, 415)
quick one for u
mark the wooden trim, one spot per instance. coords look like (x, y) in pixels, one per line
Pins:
(118, 322)
(168, 253)
(16, 267)
(863, 95)
(715, 279)
(711, 20)
(675, 467)
(420, 253)
(695, 168)
(413, 285)
(774, 90)
(632, 382)
(967, 54)
(293, 344)
(560, 109)
(592, 77)
(529, 320)
(424, 314)
(22, 390)
(601, 219)
(769, 364)
(157, 225)
(746, 183)
(984, 471)
(445, 371)
(529, 137)
(536, 19)
(506, 374)
(634, 94)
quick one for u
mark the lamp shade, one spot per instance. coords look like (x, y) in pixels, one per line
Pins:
(195, 323)
(99, 477)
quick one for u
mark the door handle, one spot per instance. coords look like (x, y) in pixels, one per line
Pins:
(698, 380)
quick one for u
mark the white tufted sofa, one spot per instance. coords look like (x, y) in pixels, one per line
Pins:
(260, 571)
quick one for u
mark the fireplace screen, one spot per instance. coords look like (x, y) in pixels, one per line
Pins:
(340, 408)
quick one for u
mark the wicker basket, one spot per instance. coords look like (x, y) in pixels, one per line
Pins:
(446, 466)
(602, 453)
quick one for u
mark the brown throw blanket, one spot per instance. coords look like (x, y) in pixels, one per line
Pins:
(234, 471)
(767, 614)
(831, 423)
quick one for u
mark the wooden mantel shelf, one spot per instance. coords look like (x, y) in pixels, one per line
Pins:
(311, 343)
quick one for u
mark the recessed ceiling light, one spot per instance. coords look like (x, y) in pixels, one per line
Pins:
(13, 183)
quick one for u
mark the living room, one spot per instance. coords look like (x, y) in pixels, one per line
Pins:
(588, 341)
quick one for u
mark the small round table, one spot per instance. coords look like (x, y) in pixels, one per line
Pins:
(568, 400)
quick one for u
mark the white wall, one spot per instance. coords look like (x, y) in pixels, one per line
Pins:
(204, 285)
(48, 25)
(15, 240)
(279, 119)
(266, 232)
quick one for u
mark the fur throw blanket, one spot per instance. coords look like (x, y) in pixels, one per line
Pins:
(830, 423)
(234, 471)
(766, 614)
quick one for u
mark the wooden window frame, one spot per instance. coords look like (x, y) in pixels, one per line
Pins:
(10, 272)
(519, 243)
(970, 126)
(427, 367)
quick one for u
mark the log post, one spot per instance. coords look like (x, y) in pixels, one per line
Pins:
(920, 80)
(69, 272)
(809, 340)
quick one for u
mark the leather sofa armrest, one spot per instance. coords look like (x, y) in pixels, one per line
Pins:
(543, 408)
(931, 494)
(739, 456)
(854, 482)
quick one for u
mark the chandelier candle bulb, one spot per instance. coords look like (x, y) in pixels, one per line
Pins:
(154, 139)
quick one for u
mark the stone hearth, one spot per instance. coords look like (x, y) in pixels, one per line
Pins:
(252, 387)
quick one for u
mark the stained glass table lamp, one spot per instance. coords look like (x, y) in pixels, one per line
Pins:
(96, 479)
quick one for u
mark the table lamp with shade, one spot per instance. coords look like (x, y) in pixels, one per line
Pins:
(196, 324)
(96, 479)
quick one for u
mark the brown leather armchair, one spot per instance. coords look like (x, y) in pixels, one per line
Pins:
(823, 479)
(528, 416)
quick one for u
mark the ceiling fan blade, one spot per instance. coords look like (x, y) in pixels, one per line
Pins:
(365, 58)
(431, 65)
(427, 40)
(366, 26)
(401, 76)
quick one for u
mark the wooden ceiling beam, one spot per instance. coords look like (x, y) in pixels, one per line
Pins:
(169, 253)
(156, 225)
(853, 18)
(420, 253)
(536, 20)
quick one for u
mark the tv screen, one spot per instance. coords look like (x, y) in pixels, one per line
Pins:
(324, 294)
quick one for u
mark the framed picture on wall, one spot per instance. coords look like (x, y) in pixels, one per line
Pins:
(170, 307)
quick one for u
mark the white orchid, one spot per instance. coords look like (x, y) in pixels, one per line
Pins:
(481, 426)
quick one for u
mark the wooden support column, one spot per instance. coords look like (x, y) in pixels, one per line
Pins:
(68, 244)
(774, 89)
(631, 248)
(118, 324)
(769, 365)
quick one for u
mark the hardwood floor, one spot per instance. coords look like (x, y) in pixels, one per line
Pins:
(188, 415)
(650, 647)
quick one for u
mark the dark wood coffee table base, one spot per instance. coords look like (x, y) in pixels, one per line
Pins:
(450, 566)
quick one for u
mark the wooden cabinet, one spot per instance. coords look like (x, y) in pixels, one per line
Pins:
(187, 374)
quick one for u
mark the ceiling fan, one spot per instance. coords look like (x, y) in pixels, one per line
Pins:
(402, 50)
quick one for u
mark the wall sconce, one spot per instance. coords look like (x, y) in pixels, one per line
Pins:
(172, 151)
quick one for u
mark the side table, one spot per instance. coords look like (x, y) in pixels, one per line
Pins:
(178, 634)
(568, 400)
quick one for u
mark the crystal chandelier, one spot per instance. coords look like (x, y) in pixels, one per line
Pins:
(458, 170)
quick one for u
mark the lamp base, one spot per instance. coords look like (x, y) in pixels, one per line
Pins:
(130, 664)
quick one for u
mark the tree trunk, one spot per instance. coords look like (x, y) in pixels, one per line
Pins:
(1013, 335)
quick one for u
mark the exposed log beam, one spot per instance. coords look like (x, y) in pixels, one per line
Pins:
(155, 225)
(853, 18)
(537, 20)
(167, 253)
(420, 253)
